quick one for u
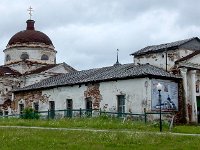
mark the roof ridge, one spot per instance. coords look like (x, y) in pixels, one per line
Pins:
(153, 48)
(111, 73)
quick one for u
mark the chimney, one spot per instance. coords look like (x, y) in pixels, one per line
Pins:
(30, 25)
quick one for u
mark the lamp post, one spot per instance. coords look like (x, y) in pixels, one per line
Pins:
(159, 88)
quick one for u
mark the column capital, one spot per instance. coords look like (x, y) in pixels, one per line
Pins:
(193, 71)
(183, 70)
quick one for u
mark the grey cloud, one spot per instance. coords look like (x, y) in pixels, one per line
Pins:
(87, 33)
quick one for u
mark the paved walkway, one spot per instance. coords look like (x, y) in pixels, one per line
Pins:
(98, 130)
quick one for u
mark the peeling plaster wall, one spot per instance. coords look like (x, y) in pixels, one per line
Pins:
(34, 54)
(159, 59)
(34, 78)
(6, 85)
(61, 94)
(194, 59)
(27, 98)
(103, 95)
(137, 95)
(23, 67)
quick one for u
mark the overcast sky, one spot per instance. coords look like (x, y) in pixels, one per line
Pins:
(86, 33)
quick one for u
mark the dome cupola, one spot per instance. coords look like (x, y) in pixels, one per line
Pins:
(30, 36)
(31, 45)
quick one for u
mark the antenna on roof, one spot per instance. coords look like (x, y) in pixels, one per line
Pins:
(117, 62)
(30, 9)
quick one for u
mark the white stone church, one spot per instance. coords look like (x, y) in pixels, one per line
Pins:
(30, 77)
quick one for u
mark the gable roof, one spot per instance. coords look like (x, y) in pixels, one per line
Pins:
(4, 71)
(41, 69)
(188, 56)
(48, 67)
(162, 47)
(115, 72)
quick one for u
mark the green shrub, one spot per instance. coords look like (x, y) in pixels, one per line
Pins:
(29, 113)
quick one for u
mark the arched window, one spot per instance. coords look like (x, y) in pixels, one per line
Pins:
(24, 56)
(8, 58)
(44, 57)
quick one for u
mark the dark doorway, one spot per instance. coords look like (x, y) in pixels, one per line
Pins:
(69, 107)
(88, 106)
(198, 108)
(121, 105)
(21, 108)
(52, 109)
(36, 106)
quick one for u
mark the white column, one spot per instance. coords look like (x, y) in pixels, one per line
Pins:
(193, 95)
(185, 87)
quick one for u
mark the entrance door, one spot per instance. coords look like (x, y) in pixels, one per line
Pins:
(198, 108)
(121, 105)
(69, 107)
(88, 107)
(52, 109)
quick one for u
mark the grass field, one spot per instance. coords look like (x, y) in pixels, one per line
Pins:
(141, 135)
(99, 123)
(19, 139)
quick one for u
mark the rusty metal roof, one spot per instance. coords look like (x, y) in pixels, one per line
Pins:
(5, 71)
(30, 35)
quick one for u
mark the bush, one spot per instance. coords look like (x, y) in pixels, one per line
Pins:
(29, 113)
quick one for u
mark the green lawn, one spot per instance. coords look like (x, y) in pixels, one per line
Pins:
(141, 135)
(28, 139)
(94, 123)
(99, 123)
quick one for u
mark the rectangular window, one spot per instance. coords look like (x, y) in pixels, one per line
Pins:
(36, 106)
(21, 108)
(69, 107)
(88, 106)
(121, 105)
(52, 109)
(6, 113)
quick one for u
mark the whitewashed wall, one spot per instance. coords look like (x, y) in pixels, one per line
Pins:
(137, 95)
(159, 59)
(34, 78)
(34, 54)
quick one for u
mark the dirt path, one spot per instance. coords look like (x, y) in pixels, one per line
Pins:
(98, 130)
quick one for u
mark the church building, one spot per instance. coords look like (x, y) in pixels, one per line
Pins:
(30, 77)
(29, 58)
(120, 88)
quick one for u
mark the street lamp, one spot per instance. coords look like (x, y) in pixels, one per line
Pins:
(159, 88)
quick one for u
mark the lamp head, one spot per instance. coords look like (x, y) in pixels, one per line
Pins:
(159, 87)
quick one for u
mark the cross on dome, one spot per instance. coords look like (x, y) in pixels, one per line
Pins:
(30, 9)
